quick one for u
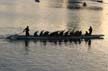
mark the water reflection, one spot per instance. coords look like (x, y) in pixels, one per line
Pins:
(26, 43)
(72, 4)
(55, 42)
(69, 19)
(82, 19)
(50, 17)
(27, 47)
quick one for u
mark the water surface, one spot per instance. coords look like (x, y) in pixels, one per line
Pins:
(51, 15)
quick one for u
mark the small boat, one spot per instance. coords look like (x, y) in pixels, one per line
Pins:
(100, 1)
(31, 37)
(37, 0)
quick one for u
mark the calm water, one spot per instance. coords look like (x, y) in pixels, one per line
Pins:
(52, 15)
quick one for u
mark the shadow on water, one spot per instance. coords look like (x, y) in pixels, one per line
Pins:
(26, 43)
(52, 43)
(55, 42)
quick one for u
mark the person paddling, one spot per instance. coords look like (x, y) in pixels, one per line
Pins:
(90, 30)
(26, 30)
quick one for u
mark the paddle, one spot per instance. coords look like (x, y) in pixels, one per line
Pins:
(19, 33)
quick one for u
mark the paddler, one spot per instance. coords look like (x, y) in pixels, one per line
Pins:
(90, 30)
(26, 30)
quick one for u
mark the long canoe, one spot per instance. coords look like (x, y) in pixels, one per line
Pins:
(31, 37)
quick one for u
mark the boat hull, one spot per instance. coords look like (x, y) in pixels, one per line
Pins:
(86, 37)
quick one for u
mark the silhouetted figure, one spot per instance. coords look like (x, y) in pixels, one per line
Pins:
(37, 0)
(61, 33)
(26, 30)
(71, 33)
(86, 33)
(46, 33)
(54, 34)
(90, 30)
(84, 4)
(36, 33)
(77, 33)
(66, 34)
(80, 33)
(41, 33)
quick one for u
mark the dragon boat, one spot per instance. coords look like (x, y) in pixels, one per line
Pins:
(31, 37)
